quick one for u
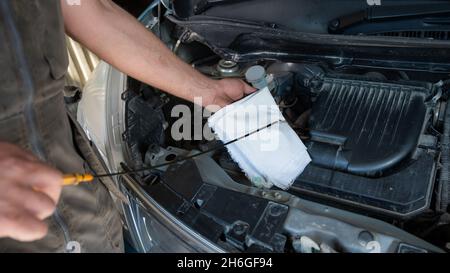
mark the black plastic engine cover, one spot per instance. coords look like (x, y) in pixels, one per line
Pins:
(364, 146)
(399, 195)
(246, 222)
(366, 128)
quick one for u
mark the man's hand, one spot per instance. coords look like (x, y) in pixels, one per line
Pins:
(227, 91)
(29, 192)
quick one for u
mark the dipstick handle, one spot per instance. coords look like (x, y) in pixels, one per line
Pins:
(75, 179)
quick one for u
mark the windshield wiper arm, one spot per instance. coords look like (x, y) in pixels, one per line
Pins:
(204, 5)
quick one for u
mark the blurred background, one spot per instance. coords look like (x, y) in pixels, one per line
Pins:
(82, 61)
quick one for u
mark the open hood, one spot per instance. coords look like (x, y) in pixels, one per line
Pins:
(324, 16)
(411, 35)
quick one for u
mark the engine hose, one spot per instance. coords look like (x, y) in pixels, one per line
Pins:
(445, 162)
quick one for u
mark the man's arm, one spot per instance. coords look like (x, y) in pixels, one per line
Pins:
(119, 39)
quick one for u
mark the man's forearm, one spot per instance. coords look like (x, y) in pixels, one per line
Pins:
(116, 37)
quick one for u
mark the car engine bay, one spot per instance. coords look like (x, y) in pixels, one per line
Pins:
(366, 135)
(379, 139)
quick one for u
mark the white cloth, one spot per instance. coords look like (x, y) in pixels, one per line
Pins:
(273, 156)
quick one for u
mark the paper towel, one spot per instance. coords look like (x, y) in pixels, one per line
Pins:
(273, 156)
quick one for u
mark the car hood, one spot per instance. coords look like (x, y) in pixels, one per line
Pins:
(318, 16)
(246, 30)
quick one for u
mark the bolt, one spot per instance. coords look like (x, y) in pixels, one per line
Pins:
(240, 229)
(278, 195)
(364, 237)
(335, 24)
(275, 210)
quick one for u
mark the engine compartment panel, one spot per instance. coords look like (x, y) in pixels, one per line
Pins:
(364, 127)
(401, 194)
(364, 139)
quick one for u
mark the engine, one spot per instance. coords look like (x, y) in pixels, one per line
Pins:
(374, 136)
(373, 113)
(370, 135)
(369, 143)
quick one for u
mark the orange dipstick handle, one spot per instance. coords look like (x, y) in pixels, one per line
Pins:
(75, 179)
